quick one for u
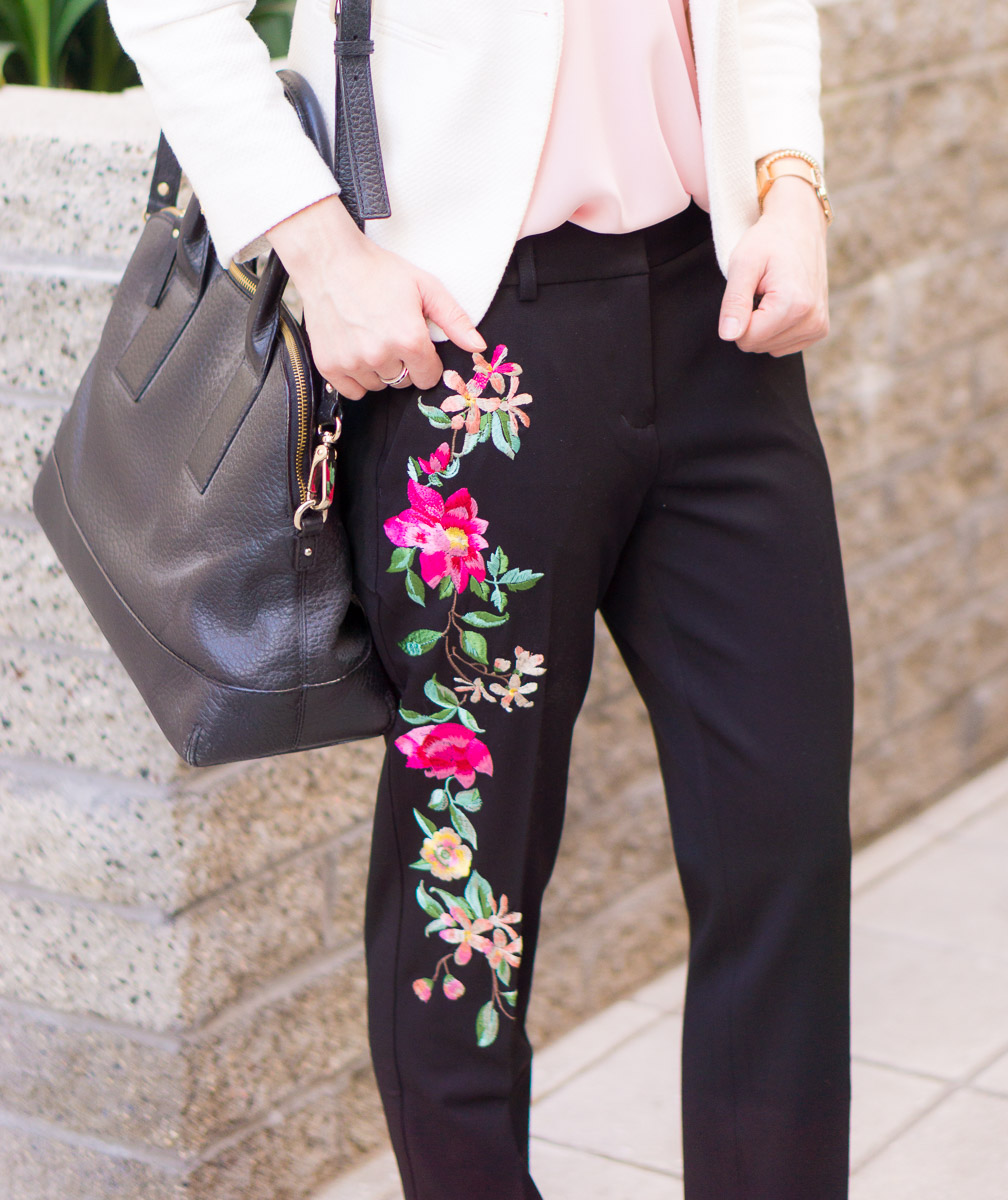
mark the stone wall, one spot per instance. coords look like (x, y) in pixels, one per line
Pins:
(181, 992)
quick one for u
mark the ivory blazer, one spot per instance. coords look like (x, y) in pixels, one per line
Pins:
(463, 92)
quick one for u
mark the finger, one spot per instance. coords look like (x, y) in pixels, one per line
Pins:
(744, 276)
(347, 387)
(390, 369)
(444, 310)
(422, 361)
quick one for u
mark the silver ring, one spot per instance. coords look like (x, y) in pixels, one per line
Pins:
(398, 379)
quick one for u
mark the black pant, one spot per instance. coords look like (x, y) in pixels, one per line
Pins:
(638, 465)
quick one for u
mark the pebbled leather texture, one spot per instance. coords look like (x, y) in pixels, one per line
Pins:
(169, 496)
(359, 170)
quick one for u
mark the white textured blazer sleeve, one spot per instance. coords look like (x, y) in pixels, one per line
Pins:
(781, 69)
(210, 81)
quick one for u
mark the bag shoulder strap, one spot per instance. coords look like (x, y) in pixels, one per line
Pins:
(357, 152)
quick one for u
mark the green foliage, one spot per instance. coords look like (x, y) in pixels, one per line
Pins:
(70, 43)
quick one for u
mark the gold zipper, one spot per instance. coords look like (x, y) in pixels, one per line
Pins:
(248, 282)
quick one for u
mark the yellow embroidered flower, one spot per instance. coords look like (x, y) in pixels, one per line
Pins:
(446, 855)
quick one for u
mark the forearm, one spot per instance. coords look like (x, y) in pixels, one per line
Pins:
(222, 108)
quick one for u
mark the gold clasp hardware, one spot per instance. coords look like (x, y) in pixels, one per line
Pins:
(321, 476)
(334, 10)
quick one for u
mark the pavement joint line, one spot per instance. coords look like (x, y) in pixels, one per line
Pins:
(622, 1162)
(962, 1082)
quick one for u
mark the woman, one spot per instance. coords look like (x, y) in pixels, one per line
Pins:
(624, 432)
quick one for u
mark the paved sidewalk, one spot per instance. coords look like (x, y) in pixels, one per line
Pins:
(930, 1038)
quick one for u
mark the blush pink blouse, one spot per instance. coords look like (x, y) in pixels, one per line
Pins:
(623, 148)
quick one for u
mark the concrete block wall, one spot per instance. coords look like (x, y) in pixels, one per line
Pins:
(181, 985)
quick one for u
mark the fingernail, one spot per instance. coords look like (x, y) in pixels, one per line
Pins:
(477, 341)
(730, 329)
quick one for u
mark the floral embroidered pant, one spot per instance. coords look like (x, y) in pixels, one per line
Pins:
(608, 451)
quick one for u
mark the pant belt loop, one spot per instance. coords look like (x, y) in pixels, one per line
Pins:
(528, 286)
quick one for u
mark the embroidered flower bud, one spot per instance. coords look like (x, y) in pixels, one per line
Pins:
(438, 460)
(453, 988)
(423, 988)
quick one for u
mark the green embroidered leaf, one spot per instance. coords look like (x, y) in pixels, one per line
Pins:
(470, 440)
(414, 718)
(427, 901)
(427, 826)
(463, 825)
(487, 1024)
(452, 469)
(413, 470)
(439, 419)
(469, 799)
(475, 645)
(415, 587)
(500, 437)
(433, 481)
(515, 442)
(497, 562)
(510, 998)
(484, 431)
(469, 721)
(521, 581)
(438, 800)
(446, 588)
(436, 926)
(479, 586)
(437, 693)
(451, 901)
(498, 599)
(420, 865)
(504, 972)
(478, 894)
(420, 641)
(402, 556)
(442, 715)
(483, 620)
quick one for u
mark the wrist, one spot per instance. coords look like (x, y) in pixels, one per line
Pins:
(773, 170)
(314, 232)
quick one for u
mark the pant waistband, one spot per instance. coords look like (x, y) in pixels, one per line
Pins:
(570, 253)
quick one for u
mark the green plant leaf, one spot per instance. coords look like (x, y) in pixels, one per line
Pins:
(451, 901)
(469, 721)
(510, 998)
(415, 587)
(520, 581)
(414, 718)
(500, 437)
(463, 825)
(497, 562)
(487, 1024)
(438, 800)
(420, 865)
(478, 895)
(470, 799)
(446, 588)
(483, 620)
(475, 645)
(442, 714)
(402, 556)
(504, 972)
(413, 471)
(480, 587)
(439, 419)
(437, 693)
(427, 826)
(427, 901)
(420, 641)
(470, 440)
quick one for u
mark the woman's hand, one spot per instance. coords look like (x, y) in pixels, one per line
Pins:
(783, 259)
(365, 307)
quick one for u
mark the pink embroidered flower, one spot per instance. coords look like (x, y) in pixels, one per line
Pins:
(502, 916)
(493, 372)
(445, 750)
(514, 692)
(448, 532)
(454, 988)
(502, 664)
(438, 460)
(467, 937)
(469, 403)
(446, 855)
(512, 405)
(475, 689)
(504, 950)
(423, 988)
(527, 663)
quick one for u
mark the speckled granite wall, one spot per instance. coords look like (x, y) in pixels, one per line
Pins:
(181, 992)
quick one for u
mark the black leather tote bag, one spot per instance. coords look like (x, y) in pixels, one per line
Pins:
(188, 493)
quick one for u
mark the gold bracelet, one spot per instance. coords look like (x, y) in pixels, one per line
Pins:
(813, 174)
